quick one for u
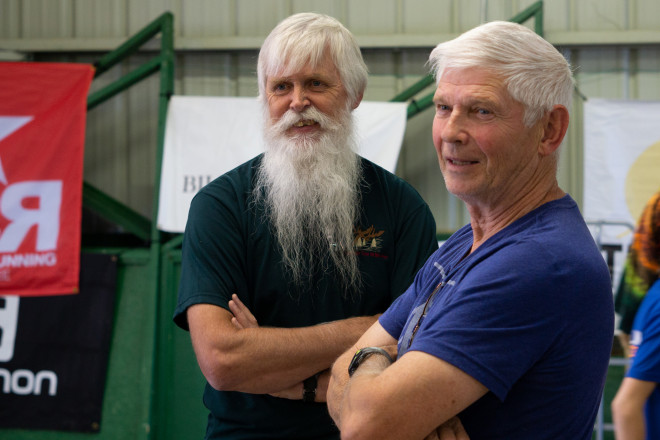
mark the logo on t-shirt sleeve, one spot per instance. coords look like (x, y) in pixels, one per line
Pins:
(636, 338)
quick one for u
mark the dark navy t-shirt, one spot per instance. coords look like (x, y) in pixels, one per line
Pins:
(228, 248)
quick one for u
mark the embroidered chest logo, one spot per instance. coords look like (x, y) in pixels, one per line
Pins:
(368, 241)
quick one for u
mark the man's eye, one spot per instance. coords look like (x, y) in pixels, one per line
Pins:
(483, 111)
(281, 87)
(316, 83)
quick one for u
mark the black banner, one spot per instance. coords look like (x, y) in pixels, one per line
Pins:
(54, 353)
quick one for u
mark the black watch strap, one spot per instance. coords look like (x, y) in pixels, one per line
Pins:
(364, 353)
(309, 388)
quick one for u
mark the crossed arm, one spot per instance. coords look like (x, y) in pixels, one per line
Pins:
(241, 356)
(416, 397)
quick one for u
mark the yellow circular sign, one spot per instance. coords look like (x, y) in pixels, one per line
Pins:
(643, 180)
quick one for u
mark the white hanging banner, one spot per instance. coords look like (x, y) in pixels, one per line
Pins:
(207, 136)
(621, 170)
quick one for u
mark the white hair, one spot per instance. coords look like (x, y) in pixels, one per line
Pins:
(534, 71)
(310, 188)
(303, 39)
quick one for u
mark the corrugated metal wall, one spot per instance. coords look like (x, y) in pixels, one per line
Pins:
(614, 45)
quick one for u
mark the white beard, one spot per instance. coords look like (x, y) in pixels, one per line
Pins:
(311, 185)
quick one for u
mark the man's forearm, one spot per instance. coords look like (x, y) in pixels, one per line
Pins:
(634, 429)
(375, 336)
(266, 360)
(630, 426)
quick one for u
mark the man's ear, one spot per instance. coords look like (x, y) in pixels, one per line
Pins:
(357, 102)
(555, 124)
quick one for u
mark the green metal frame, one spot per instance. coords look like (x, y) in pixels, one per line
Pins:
(128, 219)
(416, 106)
(162, 63)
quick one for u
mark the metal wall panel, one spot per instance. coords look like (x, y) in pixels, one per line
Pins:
(601, 15)
(648, 73)
(10, 19)
(645, 14)
(423, 16)
(253, 16)
(99, 19)
(140, 12)
(209, 18)
(613, 44)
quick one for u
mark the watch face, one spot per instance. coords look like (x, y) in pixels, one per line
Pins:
(362, 354)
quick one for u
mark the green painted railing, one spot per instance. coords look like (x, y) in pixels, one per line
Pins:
(163, 63)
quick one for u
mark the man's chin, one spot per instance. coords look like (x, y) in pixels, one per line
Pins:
(301, 137)
(294, 144)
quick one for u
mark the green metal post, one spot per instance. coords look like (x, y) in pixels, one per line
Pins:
(117, 212)
(166, 91)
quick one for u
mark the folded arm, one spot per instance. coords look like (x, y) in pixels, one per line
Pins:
(410, 398)
(264, 359)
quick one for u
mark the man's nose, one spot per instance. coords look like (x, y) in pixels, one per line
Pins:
(299, 100)
(453, 130)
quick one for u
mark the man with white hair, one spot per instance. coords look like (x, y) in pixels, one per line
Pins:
(509, 325)
(288, 258)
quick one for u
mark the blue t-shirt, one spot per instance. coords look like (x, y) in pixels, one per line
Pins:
(645, 353)
(529, 314)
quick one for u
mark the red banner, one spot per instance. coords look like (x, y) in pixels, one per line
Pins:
(42, 137)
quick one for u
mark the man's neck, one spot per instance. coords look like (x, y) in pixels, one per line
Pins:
(487, 221)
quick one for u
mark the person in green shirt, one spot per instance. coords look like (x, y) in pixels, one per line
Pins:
(291, 256)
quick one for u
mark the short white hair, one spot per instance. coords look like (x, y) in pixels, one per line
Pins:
(534, 71)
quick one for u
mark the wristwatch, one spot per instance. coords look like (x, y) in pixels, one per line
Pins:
(364, 353)
(309, 388)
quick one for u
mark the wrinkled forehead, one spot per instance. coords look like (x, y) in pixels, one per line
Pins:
(480, 83)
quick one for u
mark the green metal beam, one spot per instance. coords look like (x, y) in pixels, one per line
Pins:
(116, 212)
(95, 199)
(414, 89)
(417, 106)
(535, 11)
(166, 91)
(123, 83)
(133, 44)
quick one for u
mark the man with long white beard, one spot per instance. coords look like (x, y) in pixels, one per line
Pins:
(288, 258)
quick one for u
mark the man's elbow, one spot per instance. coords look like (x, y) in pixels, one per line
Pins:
(622, 410)
(361, 431)
(219, 383)
(614, 407)
(357, 431)
(222, 373)
(361, 425)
